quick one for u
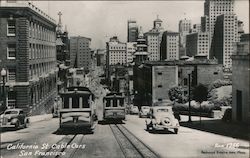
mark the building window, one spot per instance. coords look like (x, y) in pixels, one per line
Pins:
(159, 73)
(215, 73)
(159, 86)
(11, 28)
(11, 99)
(160, 99)
(12, 75)
(11, 51)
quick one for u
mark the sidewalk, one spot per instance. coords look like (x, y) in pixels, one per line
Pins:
(38, 118)
(217, 126)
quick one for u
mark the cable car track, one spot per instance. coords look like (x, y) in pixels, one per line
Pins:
(130, 145)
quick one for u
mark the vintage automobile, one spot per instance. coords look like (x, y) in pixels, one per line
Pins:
(134, 110)
(144, 112)
(162, 118)
(14, 118)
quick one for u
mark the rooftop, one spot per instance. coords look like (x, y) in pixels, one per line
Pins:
(25, 4)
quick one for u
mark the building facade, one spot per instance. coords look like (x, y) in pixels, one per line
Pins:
(153, 81)
(116, 52)
(132, 31)
(80, 52)
(28, 53)
(170, 46)
(131, 49)
(197, 44)
(226, 34)
(241, 81)
(212, 9)
(153, 38)
(141, 53)
(184, 29)
(196, 28)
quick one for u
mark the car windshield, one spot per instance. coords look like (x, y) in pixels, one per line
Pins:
(145, 107)
(11, 112)
(162, 110)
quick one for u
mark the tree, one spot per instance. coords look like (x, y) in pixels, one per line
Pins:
(177, 93)
(200, 94)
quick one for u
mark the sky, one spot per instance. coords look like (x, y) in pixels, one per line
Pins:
(100, 20)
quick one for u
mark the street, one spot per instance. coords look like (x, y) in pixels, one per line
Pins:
(103, 143)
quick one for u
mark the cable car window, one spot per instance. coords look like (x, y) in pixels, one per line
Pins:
(121, 102)
(115, 103)
(107, 102)
(85, 102)
(66, 103)
(75, 102)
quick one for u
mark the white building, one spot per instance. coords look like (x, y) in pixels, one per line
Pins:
(153, 38)
(116, 52)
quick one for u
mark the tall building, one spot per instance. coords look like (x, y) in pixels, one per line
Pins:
(131, 48)
(225, 35)
(241, 81)
(116, 52)
(196, 28)
(170, 46)
(212, 9)
(28, 53)
(184, 29)
(132, 31)
(141, 53)
(153, 38)
(197, 44)
(80, 52)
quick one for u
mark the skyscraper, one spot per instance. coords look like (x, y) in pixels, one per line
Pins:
(153, 38)
(116, 52)
(170, 46)
(132, 31)
(212, 9)
(80, 52)
(225, 35)
(184, 29)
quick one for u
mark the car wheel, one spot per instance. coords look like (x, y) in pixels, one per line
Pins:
(17, 125)
(176, 130)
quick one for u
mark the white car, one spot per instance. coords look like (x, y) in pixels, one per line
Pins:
(144, 112)
(162, 118)
(134, 110)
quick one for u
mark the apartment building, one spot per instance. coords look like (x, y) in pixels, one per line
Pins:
(28, 53)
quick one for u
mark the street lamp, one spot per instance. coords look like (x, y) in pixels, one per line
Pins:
(3, 74)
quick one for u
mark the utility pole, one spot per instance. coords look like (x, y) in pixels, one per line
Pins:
(189, 99)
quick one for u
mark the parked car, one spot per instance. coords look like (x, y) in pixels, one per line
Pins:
(162, 118)
(14, 118)
(144, 112)
(134, 110)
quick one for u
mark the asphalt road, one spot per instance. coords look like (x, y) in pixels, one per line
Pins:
(102, 143)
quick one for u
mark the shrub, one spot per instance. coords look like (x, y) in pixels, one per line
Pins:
(219, 83)
(177, 93)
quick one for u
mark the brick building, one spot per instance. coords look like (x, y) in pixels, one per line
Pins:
(28, 53)
(80, 52)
